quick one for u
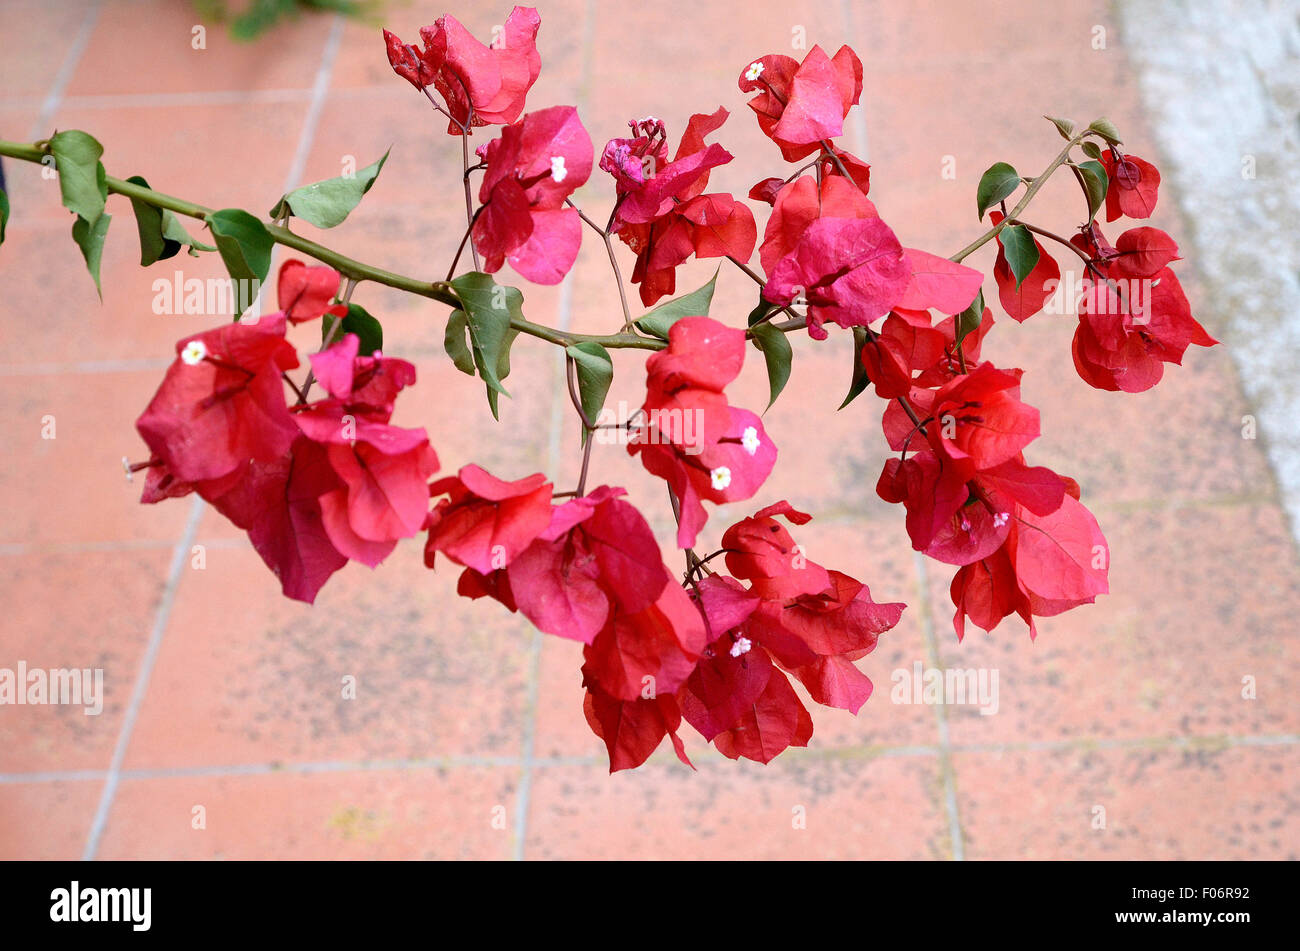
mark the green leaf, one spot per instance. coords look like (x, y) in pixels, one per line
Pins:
(761, 310)
(326, 204)
(1095, 182)
(1106, 129)
(1091, 149)
(489, 308)
(1021, 251)
(358, 321)
(161, 235)
(173, 230)
(694, 304)
(777, 353)
(968, 320)
(455, 342)
(1063, 126)
(503, 368)
(860, 378)
(245, 247)
(4, 214)
(82, 180)
(995, 184)
(90, 238)
(595, 374)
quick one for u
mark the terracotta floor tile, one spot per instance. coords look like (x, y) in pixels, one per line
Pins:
(27, 72)
(15, 123)
(199, 153)
(78, 610)
(92, 416)
(135, 326)
(379, 814)
(259, 679)
(1201, 597)
(1226, 804)
(884, 808)
(1204, 579)
(46, 821)
(1180, 440)
(285, 58)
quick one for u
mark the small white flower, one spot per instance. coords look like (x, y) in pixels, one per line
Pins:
(721, 477)
(755, 70)
(558, 171)
(194, 352)
(742, 646)
(1000, 519)
(749, 439)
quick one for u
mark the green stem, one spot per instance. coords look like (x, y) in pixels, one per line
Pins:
(1030, 191)
(440, 291)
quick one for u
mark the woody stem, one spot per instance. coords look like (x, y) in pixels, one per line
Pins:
(607, 237)
(354, 269)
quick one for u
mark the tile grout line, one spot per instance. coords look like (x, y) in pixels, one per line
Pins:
(163, 616)
(54, 98)
(161, 619)
(940, 712)
(1156, 744)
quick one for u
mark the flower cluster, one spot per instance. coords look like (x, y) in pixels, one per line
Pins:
(313, 484)
(729, 647)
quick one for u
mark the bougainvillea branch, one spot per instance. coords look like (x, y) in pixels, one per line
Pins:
(318, 481)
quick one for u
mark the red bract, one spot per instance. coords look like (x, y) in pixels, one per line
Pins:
(364, 387)
(1134, 186)
(910, 351)
(801, 202)
(1142, 252)
(1028, 297)
(595, 557)
(632, 729)
(481, 85)
(938, 283)
(702, 447)
(1049, 564)
(847, 270)
(649, 652)
(760, 550)
(485, 522)
(279, 506)
(800, 104)
(222, 402)
(795, 614)
(384, 497)
(532, 168)
(305, 292)
(661, 214)
(966, 450)
(383, 470)
(1133, 314)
